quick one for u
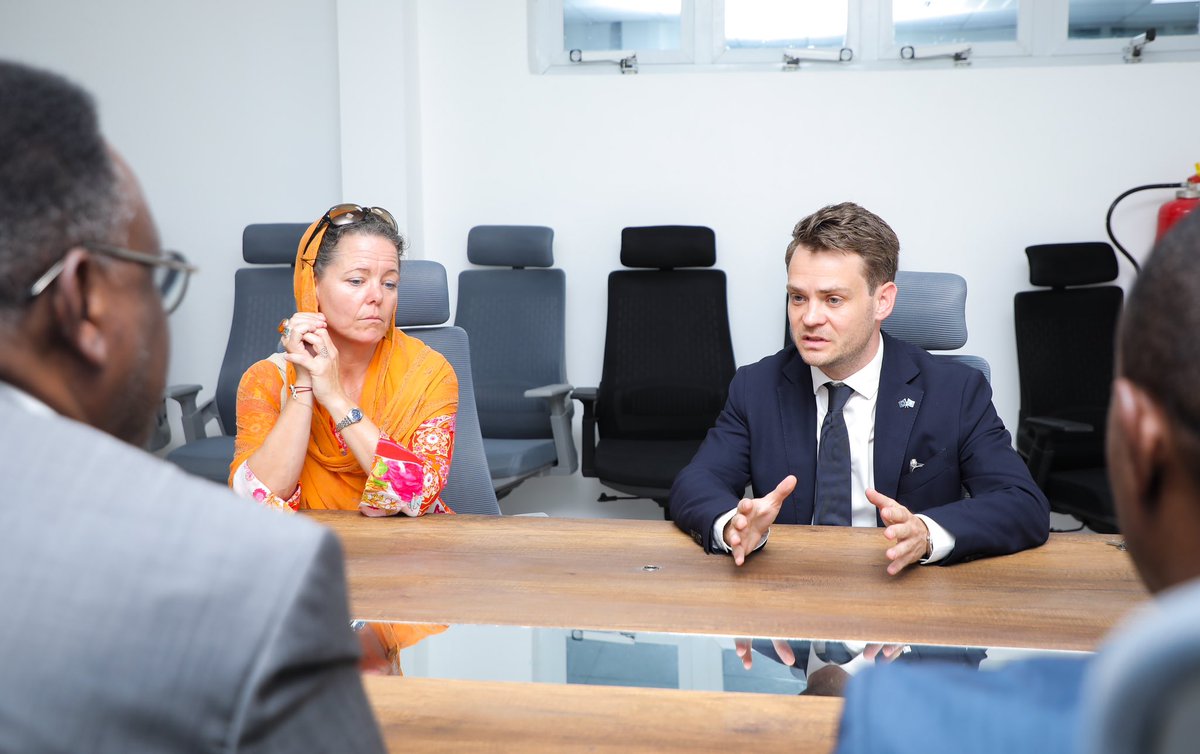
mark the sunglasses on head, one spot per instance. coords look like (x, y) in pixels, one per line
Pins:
(340, 215)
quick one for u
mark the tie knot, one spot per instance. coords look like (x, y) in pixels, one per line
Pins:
(839, 393)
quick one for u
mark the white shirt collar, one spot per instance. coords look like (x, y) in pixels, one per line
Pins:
(24, 400)
(865, 381)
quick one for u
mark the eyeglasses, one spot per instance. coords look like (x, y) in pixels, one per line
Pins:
(171, 272)
(348, 214)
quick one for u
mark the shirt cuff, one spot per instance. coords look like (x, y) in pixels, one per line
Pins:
(942, 540)
(718, 534)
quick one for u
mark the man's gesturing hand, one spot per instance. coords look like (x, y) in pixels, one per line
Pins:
(753, 518)
(909, 535)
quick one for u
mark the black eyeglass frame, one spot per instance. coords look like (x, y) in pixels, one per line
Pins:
(340, 215)
(171, 260)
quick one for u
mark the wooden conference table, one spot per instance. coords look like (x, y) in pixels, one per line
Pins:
(609, 575)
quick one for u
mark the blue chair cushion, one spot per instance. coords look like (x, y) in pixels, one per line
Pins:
(510, 458)
(208, 457)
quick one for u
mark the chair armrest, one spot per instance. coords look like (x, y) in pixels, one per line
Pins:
(587, 396)
(193, 418)
(550, 391)
(561, 412)
(1046, 429)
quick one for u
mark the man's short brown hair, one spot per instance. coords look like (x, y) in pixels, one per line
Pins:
(847, 227)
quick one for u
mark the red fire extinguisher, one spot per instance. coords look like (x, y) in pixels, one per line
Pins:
(1187, 197)
(1184, 202)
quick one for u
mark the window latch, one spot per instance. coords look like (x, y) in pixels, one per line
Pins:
(626, 60)
(792, 58)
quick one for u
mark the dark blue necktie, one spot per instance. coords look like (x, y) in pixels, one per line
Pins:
(833, 461)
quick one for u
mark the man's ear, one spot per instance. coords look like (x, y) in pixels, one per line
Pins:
(885, 300)
(77, 300)
(1143, 428)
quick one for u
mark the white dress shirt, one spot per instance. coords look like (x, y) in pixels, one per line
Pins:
(859, 413)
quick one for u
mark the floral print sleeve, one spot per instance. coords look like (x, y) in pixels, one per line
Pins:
(246, 484)
(410, 480)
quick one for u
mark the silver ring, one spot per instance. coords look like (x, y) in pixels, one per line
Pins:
(286, 332)
(325, 352)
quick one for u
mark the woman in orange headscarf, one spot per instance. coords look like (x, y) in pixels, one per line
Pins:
(353, 413)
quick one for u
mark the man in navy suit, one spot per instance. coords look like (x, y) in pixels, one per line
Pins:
(928, 458)
(1154, 466)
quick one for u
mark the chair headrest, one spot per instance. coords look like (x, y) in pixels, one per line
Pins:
(424, 298)
(930, 310)
(511, 245)
(1056, 265)
(668, 246)
(271, 243)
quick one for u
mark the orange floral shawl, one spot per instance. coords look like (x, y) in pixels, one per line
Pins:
(407, 383)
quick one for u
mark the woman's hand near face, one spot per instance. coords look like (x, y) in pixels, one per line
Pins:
(320, 360)
(299, 351)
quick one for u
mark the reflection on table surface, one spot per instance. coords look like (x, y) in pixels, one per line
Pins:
(647, 659)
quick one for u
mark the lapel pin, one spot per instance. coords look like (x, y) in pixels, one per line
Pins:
(913, 465)
(907, 403)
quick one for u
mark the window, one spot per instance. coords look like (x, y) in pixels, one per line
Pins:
(607, 31)
(769, 23)
(1106, 19)
(643, 25)
(570, 35)
(935, 22)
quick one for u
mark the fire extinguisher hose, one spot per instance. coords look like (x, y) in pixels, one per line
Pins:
(1112, 207)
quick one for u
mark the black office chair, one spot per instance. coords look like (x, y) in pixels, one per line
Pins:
(262, 296)
(1065, 347)
(668, 360)
(516, 319)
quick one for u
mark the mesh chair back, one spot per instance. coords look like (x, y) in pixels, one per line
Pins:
(668, 355)
(931, 313)
(262, 296)
(516, 319)
(425, 304)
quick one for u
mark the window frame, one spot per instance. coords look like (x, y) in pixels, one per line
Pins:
(1041, 41)
(1022, 46)
(724, 56)
(684, 55)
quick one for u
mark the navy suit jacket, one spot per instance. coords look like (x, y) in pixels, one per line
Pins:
(933, 411)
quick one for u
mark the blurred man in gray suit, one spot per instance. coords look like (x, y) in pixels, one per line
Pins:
(140, 609)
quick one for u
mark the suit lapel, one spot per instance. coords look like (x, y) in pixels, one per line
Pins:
(896, 411)
(798, 415)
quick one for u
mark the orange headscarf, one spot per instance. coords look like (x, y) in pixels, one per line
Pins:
(407, 383)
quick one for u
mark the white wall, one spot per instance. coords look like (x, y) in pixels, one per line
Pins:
(227, 111)
(968, 165)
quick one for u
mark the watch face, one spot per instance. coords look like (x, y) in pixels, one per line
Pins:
(355, 415)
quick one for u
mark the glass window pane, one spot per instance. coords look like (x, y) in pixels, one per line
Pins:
(925, 22)
(1104, 19)
(621, 24)
(785, 23)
